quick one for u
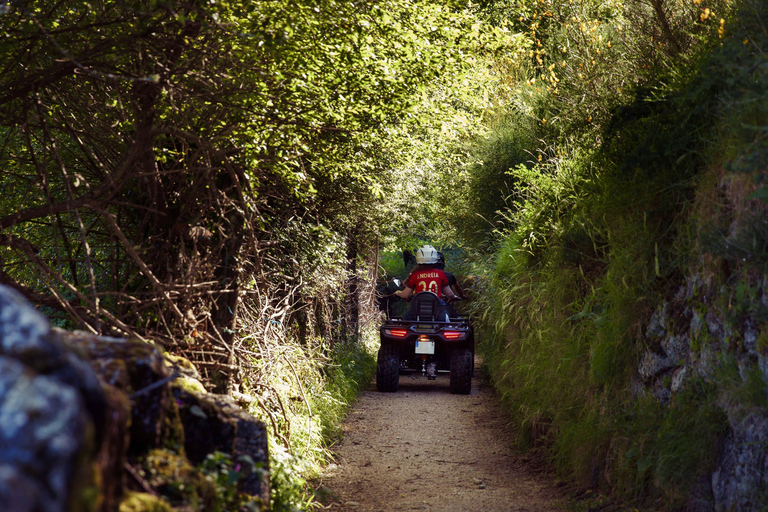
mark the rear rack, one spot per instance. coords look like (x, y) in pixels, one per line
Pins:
(453, 320)
(460, 322)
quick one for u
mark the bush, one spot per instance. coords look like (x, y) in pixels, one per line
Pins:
(611, 220)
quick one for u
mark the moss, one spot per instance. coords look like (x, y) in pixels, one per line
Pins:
(142, 502)
(173, 428)
(699, 335)
(140, 353)
(688, 440)
(178, 481)
(189, 384)
(86, 483)
(181, 362)
(90, 496)
(171, 474)
(762, 340)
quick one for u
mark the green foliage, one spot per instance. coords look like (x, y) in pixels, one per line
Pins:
(141, 502)
(309, 387)
(225, 473)
(509, 144)
(671, 448)
(393, 264)
(431, 153)
(689, 439)
(351, 369)
(180, 484)
(275, 122)
(633, 122)
(287, 480)
(746, 389)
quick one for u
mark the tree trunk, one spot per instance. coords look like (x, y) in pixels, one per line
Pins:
(352, 301)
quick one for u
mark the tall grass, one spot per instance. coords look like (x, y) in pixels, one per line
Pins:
(599, 235)
(314, 385)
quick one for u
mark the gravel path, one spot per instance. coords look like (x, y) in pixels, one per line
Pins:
(423, 448)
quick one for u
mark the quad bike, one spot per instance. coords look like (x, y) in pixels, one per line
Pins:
(429, 345)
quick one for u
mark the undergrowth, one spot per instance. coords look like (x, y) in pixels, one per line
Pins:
(599, 234)
(314, 385)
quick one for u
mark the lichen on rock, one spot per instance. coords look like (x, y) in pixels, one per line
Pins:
(143, 502)
(86, 421)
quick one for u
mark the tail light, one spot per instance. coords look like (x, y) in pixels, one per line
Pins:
(397, 333)
(453, 335)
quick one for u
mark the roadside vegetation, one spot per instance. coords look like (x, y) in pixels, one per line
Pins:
(217, 177)
(632, 153)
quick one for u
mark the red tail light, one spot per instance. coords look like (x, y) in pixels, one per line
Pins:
(453, 335)
(397, 333)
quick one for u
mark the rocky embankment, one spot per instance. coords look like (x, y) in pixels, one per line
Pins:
(90, 423)
(696, 335)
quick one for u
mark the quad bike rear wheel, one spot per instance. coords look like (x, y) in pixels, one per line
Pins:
(462, 363)
(388, 368)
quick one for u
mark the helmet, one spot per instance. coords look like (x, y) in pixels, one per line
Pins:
(440, 260)
(426, 255)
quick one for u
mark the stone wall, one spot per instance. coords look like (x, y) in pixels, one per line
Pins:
(89, 422)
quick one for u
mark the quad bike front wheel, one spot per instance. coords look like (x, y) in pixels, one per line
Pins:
(388, 368)
(462, 363)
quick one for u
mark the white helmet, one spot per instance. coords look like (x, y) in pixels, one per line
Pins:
(426, 255)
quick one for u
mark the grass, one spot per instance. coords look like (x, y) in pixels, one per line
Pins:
(597, 239)
(315, 385)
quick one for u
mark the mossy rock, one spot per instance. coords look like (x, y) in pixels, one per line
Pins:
(189, 384)
(182, 364)
(173, 476)
(143, 502)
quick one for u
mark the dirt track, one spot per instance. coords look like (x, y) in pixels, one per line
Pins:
(423, 448)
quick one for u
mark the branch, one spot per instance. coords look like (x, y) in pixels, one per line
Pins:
(659, 8)
(156, 283)
(96, 200)
(27, 248)
(55, 302)
(43, 211)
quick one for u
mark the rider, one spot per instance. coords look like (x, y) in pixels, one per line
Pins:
(426, 276)
(452, 282)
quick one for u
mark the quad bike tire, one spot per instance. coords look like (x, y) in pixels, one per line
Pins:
(462, 364)
(388, 368)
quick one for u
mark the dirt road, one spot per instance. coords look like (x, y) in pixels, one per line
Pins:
(423, 448)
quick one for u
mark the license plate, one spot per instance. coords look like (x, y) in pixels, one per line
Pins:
(425, 347)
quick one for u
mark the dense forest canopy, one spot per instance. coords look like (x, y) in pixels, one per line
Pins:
(162, 160)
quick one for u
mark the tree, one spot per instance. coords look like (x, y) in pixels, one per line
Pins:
(166, 159)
